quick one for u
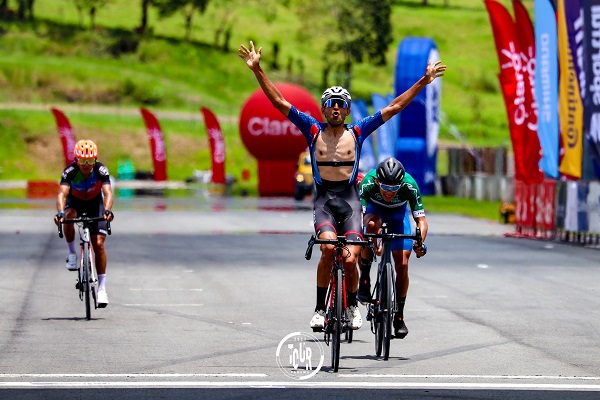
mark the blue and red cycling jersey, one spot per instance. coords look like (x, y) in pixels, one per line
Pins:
(85, 189)
(311, 128)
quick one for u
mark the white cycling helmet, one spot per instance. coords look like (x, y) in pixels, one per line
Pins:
(336, 92)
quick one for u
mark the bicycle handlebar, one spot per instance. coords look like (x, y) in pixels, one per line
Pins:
(416, 236)
(340, 241)
(85, 220)
(389, 236)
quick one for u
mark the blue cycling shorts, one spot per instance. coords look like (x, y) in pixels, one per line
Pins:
(398, 221)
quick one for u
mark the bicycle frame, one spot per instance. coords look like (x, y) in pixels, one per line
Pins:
(336, 321)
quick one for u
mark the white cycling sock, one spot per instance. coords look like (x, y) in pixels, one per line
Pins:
(102, 282)
(71, 247)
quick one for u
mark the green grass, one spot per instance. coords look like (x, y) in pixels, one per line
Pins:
(468, 207)
(55, 61)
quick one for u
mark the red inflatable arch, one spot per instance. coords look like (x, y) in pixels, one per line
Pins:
(273, 139)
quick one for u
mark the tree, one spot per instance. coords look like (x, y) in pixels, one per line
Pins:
(226, 15)
(187, 7)
(361, 31)
(144, 19)
(91, 7)
(25, 10)
(446, 2)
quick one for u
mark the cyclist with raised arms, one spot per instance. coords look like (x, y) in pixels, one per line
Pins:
(335, 152)
(386, 193)
(85, 188)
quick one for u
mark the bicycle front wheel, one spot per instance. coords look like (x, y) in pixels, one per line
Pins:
(388, 311)
(86, 279)
(93, 278)
(378, 309)
(338, 305)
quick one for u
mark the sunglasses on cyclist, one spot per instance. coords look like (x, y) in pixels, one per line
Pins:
(389, 188)
(333, 102)
(88, 161)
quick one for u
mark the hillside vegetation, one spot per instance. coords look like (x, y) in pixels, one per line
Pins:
(100, 77)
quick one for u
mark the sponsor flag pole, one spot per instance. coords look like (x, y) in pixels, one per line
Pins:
(570, 103)
(217, 146)
(65, 131)
(526, 47)
(510, 78)
(157, 145)
(591, 62)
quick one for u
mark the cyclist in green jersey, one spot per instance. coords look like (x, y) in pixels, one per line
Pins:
(386, 194)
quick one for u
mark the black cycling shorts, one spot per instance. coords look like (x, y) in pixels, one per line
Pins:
(337, 208)
(93, 208)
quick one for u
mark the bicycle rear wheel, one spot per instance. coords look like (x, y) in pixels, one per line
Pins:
(86, 279)
(388, 311)
(337, 322)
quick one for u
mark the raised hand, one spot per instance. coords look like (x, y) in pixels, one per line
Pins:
(434, 71)
(251, 56)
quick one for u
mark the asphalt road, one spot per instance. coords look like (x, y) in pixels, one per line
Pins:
(202, 296)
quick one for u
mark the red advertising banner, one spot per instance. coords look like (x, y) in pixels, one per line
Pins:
(217, 146)
(545, 207)
(525, 208)
(157, 145)
(65, 131)
(529, 109)
(511, 81)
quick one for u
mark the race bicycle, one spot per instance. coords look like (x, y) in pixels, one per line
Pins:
(87, 277)
(383, 307)
(336, 319)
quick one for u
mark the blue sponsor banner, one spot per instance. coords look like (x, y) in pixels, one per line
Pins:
(394, 122)
(367, 160)
(416, 145)
(591, 101)
(575, 28)
(385, 135)
(546, 84)
(582, 206)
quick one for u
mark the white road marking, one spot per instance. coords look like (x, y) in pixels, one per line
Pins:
(302, 384)
(162, 305)
(166, 290)
(454, 309)
(548, 377)
(450, 383)
(483, 266)
(133, 375)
